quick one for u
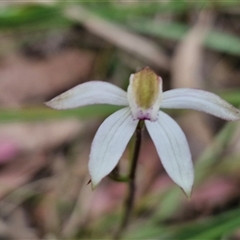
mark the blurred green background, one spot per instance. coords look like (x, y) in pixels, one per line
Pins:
(47, 47)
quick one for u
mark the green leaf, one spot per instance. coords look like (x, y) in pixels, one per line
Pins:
(220, 41)
(231, 96)
(15, 17)
(124, 12)
(223, 42)
(38, 114)
(208, 228)
(146, 231)
(213, 154)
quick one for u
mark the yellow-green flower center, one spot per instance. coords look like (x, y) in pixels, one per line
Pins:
(145, 87)
(145, 94)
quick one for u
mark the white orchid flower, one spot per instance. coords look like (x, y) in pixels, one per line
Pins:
(142, 101)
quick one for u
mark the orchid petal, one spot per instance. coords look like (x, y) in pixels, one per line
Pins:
(200, 100)
(173, 150)
(94, 92)
(109, 143)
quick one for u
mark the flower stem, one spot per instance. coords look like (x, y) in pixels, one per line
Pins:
(131, 183)
(115, 175)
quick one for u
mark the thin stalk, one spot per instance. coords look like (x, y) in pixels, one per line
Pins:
(116, 176)
(129, 202)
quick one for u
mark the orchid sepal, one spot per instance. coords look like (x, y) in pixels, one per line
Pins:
(89, 93)
(200, 100)
(172, 148)
(109, 144)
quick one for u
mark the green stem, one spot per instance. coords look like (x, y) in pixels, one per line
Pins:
(131, 183)
(115, 175)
